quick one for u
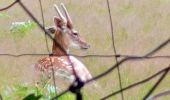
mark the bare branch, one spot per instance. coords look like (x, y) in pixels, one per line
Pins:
(163, 93)
(9, 6)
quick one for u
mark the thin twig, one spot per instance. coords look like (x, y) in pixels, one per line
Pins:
(129, 58)
(9, 6)
(156, 84)
(47, 46)
(114, 48)
(137, 83)
(164, 93)
(89, 56)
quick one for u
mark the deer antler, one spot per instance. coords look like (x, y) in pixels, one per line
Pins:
(69, 21)
(59, 13)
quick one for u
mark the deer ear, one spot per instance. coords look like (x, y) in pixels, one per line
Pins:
(52, 29)
(69, 25)
(58, 22)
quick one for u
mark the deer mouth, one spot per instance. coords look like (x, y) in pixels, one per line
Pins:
(85, 47)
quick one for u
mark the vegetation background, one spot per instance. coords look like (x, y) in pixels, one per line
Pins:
(139, 26)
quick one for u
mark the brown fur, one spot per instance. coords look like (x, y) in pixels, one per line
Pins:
(59, 38)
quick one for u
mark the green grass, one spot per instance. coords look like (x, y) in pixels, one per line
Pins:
(122, 34)
(127, 9)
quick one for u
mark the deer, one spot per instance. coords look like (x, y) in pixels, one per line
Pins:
(65, 37)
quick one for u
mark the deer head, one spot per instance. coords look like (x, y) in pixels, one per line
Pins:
(64, 32)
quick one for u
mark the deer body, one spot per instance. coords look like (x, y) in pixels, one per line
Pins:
(63, 65)
(60, 62)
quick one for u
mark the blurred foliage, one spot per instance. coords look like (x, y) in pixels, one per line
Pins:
(4, 15)
(32, 97)
(25, 92)
(19, 29)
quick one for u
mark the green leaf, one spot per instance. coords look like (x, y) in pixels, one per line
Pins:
(19, 29)
(32, 97)
(4, 15)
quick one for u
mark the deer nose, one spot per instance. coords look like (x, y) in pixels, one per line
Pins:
(86, 46)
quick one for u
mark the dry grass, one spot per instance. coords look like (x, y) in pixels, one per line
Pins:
(139, 26)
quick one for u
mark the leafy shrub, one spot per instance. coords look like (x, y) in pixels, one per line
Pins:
(19, 29)
(25, 92)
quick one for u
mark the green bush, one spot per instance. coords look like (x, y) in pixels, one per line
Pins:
(25, 92)
(19, 29)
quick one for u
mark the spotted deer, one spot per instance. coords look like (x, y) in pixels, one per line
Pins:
(67, 37)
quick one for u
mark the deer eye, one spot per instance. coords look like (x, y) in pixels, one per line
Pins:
(76, 34)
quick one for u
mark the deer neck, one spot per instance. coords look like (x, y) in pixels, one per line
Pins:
(56, 50)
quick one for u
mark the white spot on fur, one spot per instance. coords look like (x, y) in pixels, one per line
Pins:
(66, 63)
(62, 59)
